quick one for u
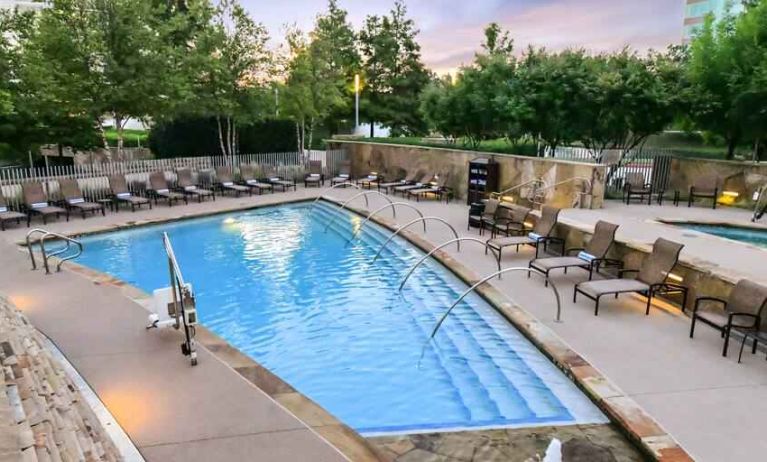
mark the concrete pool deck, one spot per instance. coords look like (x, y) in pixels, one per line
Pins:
(697, 395)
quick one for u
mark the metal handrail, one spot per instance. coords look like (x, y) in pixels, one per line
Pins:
(491, 276)
(424, 220)
(575, 178)
(29, 245)
(373, 213)
(69, 241)
(521, 185)
(444, 244)
(757, 211)
(364, 194)
(322, 193)
(180, 292)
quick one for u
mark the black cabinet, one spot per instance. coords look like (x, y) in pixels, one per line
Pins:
(483, 179)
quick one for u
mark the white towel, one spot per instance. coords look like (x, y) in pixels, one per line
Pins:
(227, 183)
(190, 188)
(586, 256)
(163, 191)
(534, 236)
(3, 209)
(314, 175)
(343, 175)
(123, 195)
(276, 178)
(252, 182)
(39, 205)
(78, 200)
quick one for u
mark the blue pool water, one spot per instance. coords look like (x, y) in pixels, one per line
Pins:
(317, 313)
(756, 237)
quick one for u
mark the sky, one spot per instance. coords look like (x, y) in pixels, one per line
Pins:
(451, 30)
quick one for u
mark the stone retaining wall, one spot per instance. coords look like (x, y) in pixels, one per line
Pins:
(43, 417)
(395, 159)
(742, 177)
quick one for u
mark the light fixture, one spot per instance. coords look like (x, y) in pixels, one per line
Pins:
(507, 199)
(675, 277)
(528, 224)
(732, 194)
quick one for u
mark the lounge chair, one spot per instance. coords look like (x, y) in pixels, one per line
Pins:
(509, 220)
(436, 188)
(36, 202)
(590, 258)
(187, 186)
(704, 187)
(650, 280)
(540, 236)
(315, 176)
(424, 180)
(73, 198)
(276, 180)
(6, 214)
(121, 194)
(159, 189)
(248, 178)
(344, 174)
(635, 186)
(369, 181)
(409, 179)
(742, 311)
(225, 182)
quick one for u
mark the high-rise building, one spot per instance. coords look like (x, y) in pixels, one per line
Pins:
(697, 10)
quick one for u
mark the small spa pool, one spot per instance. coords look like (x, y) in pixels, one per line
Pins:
(317, 313)
(752, 236)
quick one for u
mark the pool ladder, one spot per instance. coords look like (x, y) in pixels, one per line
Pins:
(760, 206)
(46, 256)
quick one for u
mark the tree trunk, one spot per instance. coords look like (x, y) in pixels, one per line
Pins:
(100, 128)
(311, 133)
(298, 137)
(303, 137)
(229, 140)
(372, 129)
(119, 124)
(731, 145)
(221, 136)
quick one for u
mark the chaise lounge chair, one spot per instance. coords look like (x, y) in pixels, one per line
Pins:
(409, 179)
(540, 236)
(704, 187)
(73, 198)
(369, 181)
(344, 174)
(315, 176)
(423, 181)
(436, 188)
(276, 180)
(509, 220)
(650, 280)
(743, 311)
(6, 214)
(590, 258)
(248, 177)
(159, 189)
(225, 182)
(187, 186)
(36, 202)
(481, 211)
(121, 193)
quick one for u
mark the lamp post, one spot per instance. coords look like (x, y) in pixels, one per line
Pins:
(356, 101)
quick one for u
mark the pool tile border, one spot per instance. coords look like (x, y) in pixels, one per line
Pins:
(621, 409)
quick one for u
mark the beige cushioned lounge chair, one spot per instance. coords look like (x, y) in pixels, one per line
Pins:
(37, 202)
(541, 234)
(73, 197)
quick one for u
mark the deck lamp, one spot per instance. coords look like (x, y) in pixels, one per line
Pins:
(675, 277)
(728, 197)
(732, 194)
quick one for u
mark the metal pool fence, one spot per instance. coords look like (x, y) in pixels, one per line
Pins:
(94, 183)
(653, 164)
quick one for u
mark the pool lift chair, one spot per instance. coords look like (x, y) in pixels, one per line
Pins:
(174, 306)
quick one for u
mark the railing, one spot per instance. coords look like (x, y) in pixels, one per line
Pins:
(445, 244)
(540, 193)
(410, 223)
(183, 302)
(93, 178)
(364, 194)
(654, 164)
(760, 205)
(46, 256)
(392, 205)
(491, 276)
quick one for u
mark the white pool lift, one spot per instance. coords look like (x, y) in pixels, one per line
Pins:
(174, 306)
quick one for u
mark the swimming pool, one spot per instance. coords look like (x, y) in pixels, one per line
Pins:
(317, 313)
(753, 236)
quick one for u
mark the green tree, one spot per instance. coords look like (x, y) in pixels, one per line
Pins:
(394, 73)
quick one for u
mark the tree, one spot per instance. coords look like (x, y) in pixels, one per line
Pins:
(549, 94)
(717, 80)
(394, 74)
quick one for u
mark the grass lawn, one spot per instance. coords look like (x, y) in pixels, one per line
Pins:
(131, 138)
(500, 145)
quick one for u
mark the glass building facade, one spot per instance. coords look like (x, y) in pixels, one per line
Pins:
(697, 10)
